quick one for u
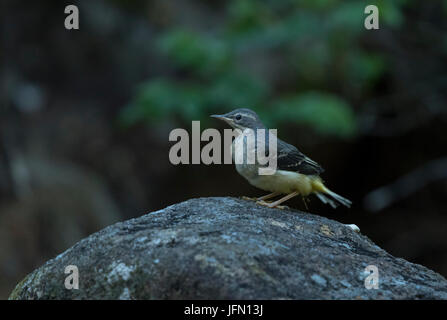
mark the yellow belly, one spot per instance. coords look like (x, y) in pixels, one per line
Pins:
(281, 181)
(286, 182)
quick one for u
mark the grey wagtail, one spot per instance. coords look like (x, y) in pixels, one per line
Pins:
(296, 174)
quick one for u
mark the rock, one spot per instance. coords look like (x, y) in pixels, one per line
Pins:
(227, 248)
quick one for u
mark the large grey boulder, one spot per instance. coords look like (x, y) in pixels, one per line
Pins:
(227, 248)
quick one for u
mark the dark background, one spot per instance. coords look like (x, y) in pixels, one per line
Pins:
(85, 114)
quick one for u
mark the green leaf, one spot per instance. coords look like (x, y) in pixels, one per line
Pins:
(237, 90)
(160, 99)
(390, 12)
(195, 52)
(364, 68)
(326, 113)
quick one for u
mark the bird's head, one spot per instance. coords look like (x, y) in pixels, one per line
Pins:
(241, 119)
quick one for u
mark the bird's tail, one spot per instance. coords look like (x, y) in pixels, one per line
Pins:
(327, 196)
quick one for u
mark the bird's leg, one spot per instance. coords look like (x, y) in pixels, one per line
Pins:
(261, 199)
(305, 203)
(268, 196)
(287, 197)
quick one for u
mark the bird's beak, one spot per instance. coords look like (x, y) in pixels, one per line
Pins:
(221, 117)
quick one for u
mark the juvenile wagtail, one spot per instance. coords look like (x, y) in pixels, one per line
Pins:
(295, 174)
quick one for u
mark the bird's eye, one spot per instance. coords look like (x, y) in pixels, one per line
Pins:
(238, 117)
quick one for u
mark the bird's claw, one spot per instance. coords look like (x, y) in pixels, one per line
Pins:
(269, 204)
(262, 203)
(248, 198)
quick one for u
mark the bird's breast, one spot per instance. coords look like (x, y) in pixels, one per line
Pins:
(244, 157)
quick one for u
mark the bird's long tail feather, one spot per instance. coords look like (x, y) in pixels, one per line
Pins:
(327, 196)
(339, 198)
(326, 200)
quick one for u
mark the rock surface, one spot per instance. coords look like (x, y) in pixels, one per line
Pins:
(227, 248)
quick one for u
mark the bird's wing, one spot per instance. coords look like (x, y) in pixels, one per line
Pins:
(289, 158)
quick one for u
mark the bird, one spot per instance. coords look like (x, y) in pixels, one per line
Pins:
(296, 174)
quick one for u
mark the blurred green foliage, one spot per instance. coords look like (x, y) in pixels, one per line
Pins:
(298, 61)
(324, 112)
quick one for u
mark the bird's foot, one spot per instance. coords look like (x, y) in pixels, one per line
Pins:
(270, 204)
(249, 199)
(353, 227)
